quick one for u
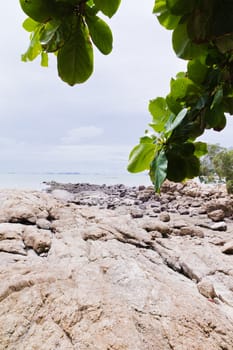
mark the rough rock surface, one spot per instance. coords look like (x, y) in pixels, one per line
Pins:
(98, 268)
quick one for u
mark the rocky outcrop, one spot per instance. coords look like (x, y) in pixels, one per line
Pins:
(123, 277)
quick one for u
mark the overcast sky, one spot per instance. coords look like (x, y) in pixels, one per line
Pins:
(48, 126)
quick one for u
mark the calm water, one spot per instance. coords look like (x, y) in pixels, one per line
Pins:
(35, 180)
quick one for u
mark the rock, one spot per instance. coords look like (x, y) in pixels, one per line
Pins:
(109, 281)
(10, 231)
(183, 211)
(62, 195)
(191, 231)
(219, 226)
(216, 215)
(155, 225)
(136, 214)
(206, 288)
(43, 224)
(12, 247)
(228, 248)
(223, 204)
(39, 240)
(165, 217)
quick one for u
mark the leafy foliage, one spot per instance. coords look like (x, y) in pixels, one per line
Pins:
(69, 28)
(198, 99)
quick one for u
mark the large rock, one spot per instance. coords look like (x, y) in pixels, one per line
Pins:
(107, 282)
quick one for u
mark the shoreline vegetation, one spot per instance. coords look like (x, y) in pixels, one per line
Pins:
(100, 267)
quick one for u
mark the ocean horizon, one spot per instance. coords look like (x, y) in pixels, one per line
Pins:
(36, 180)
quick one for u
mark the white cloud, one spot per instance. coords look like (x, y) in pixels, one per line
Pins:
(79, 135)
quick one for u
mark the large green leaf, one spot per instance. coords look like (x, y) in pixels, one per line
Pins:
(158, 170)
(75, 58)
(108, 7)
(100, 33)
(160, 112)
(182, 44)
(175, 122)
(168, 20)
(180, 87)
(140, 157)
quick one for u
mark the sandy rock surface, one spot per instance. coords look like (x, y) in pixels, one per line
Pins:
(87, 270)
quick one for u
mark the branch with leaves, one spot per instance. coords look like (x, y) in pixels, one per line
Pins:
(199, 98)
(68, 28)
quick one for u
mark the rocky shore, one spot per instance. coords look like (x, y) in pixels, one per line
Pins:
(89, 267)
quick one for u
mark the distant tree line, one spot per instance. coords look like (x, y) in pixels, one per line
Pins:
(217, 166)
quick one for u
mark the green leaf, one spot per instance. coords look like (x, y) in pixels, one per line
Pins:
(140, 157)
(180, 87)
(30, 25)
(176, 122)
(180, 7)
(147, 139)
(159, 6)
(168, 20)
(48, 31)
(158, 170)
(215, 117)
(75, 58)
(217, 98)
(176, 168)
(100, 33)
(197, 71)
(44, 59)
(183, 46)
(173, 104)
(200, 149)
(35, 47)
(192, 167)
(108, 7)
(160, 112)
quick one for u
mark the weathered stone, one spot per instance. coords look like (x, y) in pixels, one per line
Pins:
(39, 240)
(136, 214)
(219, 226)
(224, 204)
(43, 224)
(228, 248)
(206, 288)
(13, 247)
(106, 272)
(191, 231)
(216, 215)
(10, 231)
(155, 225)
(165, 217)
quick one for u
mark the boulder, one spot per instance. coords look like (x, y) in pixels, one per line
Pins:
(216, 215)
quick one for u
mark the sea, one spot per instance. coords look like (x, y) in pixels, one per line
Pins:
(36, 180)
